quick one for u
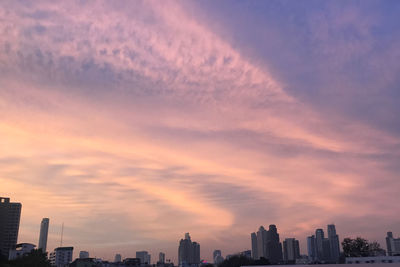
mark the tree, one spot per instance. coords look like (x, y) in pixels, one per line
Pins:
(36, 258)
(360, 247)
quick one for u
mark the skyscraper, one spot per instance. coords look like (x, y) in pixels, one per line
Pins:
(144, 257)
(10, 214)
(117, 258)
(254, 249)
(188, 252)
(319, 244)
(333, 244)
(44, 229)
(291, 250)
(312, 249)
(392, 245)
(161, 257)
(266, 244)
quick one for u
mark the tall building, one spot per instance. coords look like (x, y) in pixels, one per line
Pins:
(188, 252)
(117, 258)
(312, 249)
(324, 250)
(61, 256)
(392, 245)
(217, 256)
(10, 214)
(44, 230)
(291, 250)
(254, 249)
(161, 257)
(144, 257)
(333, 244)
(266, 244)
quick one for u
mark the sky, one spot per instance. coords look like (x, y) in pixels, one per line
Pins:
(134, 122)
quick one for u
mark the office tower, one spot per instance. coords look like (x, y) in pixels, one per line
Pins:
(291, 250)
(312, 249)
(319, 240)
(144, 257)
(161, 257)
(216, 253)
(117, 258)
(254, 250)
(44, 230)
(266, 244)
(262, 242)
(273, 245)
(83, 254)
(333, 243)
(10, 214)
(188, 252)
(392, 245)
(61, 256)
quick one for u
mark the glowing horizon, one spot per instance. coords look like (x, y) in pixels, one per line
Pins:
(136, 122)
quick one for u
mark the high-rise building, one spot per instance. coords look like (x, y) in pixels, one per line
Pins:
(333, 244)
(266, 244)
(44, 230)
(188, 252)
(144, 257)
(312, 249)
(83, 254)
(10, 214)
(392, 245)
(117, 258)
(161, 257)
(254, 249)
(324, 250)
(291, 250)
(61, 256)
(216, 254)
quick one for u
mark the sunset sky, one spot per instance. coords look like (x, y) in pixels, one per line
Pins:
(134, 122)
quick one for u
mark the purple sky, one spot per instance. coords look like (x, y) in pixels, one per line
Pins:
(135, 122)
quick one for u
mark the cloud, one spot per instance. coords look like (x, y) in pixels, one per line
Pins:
(141, 116)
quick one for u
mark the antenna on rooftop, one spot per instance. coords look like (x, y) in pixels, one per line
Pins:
(62, 234)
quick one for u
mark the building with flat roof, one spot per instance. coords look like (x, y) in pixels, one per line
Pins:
(10, 214)
(61, 256)
(44, 230)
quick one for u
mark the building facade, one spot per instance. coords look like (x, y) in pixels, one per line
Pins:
(20, 250)
(44, 230)
(10, 214)
(61, 256)
(144, 256)
(266, 244)
(291, 250)
(392, 245)
(188, 252)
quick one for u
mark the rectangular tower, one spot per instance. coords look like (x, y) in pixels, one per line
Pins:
(44, 230)
(10, 214)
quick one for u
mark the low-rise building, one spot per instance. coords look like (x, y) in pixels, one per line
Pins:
(20, 250)
(379, 259)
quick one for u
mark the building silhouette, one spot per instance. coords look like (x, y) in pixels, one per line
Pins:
(44, 230)
(266, 244)
(61, 256)
(144, 257)
(291, 250)
(161, 257)
(321, 249)
(83, 254)
(117, 258)
(392, 245)
(10, 214)
(333, 244)
(217, 257)
(188, 252)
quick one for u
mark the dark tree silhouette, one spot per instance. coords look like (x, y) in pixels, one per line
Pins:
(36, 258)
(360, 247)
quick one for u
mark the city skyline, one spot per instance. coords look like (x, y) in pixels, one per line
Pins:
(133, 122)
